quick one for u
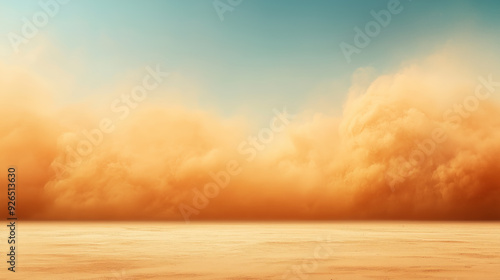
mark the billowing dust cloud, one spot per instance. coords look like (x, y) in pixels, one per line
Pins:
(422, 143)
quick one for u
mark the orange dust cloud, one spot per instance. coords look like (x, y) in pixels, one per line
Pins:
(421, 143)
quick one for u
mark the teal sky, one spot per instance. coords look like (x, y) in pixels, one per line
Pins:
(264, 54)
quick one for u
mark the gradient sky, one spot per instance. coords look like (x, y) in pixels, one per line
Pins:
(267, 53)
(355, 122)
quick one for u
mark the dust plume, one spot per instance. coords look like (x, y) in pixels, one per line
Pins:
(420, 143)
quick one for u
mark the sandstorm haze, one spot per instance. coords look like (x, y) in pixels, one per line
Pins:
(406, 128)
(253, 139)
(322, 166)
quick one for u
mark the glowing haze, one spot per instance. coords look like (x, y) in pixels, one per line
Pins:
(418, 138)
(420, 143)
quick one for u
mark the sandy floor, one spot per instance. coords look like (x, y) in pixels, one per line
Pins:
(395, 250)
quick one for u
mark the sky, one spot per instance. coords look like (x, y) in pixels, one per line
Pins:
(228, 74)
(264, 52)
